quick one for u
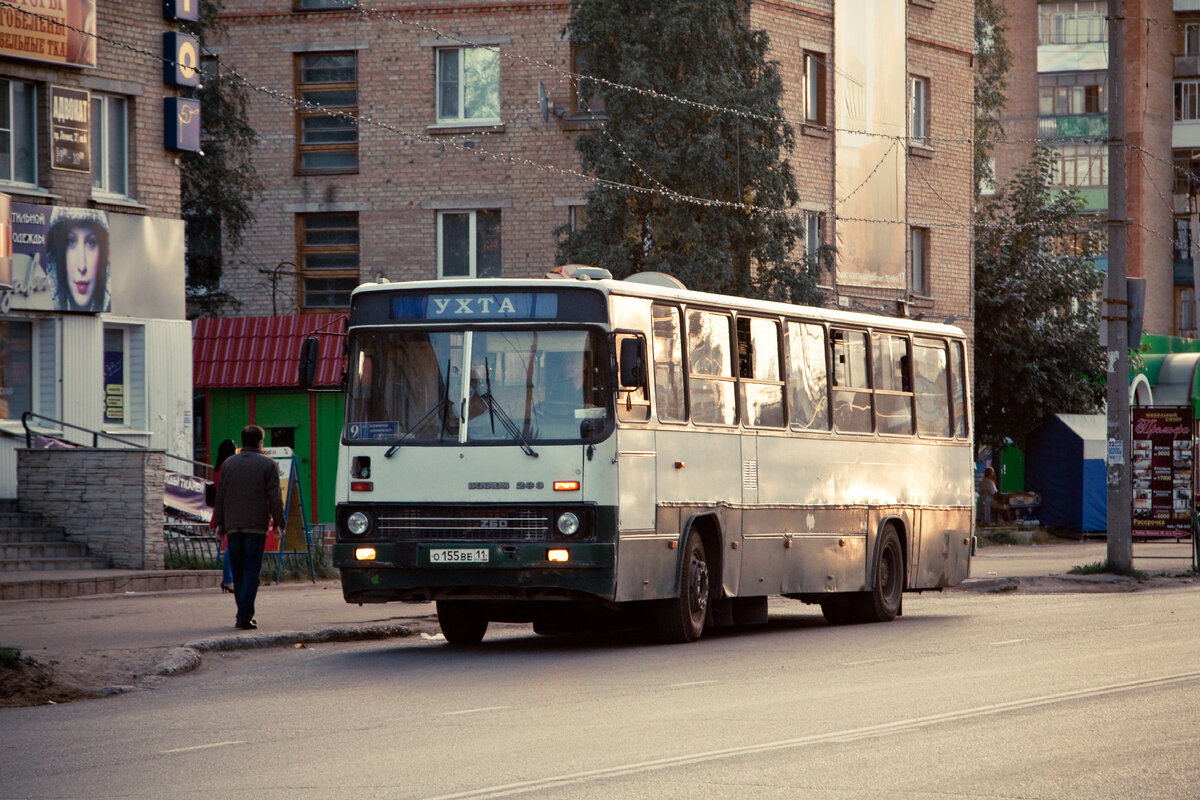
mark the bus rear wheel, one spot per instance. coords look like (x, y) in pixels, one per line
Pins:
(461, 621)
(882, 602)
(681, 619)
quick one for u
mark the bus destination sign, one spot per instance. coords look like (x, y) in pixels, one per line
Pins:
(475, 306)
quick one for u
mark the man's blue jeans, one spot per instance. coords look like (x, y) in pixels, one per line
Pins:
(246, 557)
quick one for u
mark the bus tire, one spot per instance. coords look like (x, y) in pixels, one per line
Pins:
(462, 622)
(681, 619)
(882, 602)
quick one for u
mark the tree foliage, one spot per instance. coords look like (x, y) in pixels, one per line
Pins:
(703, 51)
(1037, 348)
(993, 58)
(220, 183)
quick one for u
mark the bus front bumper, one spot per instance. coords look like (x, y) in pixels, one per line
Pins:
(378, 572)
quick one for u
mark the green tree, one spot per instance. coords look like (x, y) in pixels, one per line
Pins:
(993, 58)
(701, 51)
(1037, 347)
(220, 183)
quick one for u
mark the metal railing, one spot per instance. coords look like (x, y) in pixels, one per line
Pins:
(95, 435)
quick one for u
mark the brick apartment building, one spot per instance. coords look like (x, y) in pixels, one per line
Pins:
(89, 157)
(1058, 96)
(453, 169)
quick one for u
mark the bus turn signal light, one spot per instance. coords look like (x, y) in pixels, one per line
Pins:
(362, 486)
(365, 553)
(560, 555)
(566, 486)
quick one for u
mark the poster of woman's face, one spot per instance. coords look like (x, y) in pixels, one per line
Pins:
(77, 259)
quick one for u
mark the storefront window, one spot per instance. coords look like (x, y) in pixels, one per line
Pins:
(16, 369)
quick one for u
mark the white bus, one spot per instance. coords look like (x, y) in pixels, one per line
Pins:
(590, 452)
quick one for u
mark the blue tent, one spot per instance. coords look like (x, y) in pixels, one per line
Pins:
(1065, 464)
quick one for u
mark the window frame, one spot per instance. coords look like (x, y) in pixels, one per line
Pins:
(816, 88)
(29, 138)
(586, 101)
(920, 106)
(305, 113)
(460, 120)
(306, 248)
(921, 239)
(473, 243)
(102, 161)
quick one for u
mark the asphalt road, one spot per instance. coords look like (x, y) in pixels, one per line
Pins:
(967, 695)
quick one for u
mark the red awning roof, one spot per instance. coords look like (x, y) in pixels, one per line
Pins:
(263, 352)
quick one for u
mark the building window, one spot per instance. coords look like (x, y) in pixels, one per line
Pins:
(1183, 239)
(1072, 93)
(16, 369)
(919, 107)
(110, 145)
(1187, 101)
(328, 130)
(114, 376)
(324, 5)
(589, 101)
(987, 181)
(1185, 310)
(1187, 171)
(920, 261)
(1081, 165)
(468, 86)
(814, 223)
(1191, 39)
(328, 250)
(814, 89)
(1073, 22)
(576, 218)
(469, 244)
(18, 132)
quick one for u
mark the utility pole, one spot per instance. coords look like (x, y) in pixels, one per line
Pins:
(1116, 303)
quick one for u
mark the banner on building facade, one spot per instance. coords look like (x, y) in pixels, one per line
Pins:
(60, 32)
(1164, 475)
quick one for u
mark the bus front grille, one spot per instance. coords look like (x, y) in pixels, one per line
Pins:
(493, 524)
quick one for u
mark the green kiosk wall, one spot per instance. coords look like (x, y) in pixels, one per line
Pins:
(308, 422)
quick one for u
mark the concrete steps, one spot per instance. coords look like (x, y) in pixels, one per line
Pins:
(27, 544)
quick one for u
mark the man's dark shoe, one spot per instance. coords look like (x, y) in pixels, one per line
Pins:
(247, 626)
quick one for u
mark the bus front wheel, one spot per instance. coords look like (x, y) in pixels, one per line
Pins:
(462, 623)
(681, 619)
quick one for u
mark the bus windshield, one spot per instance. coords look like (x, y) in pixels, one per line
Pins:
(410, 387)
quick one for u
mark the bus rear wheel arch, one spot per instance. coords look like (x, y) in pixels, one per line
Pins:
(883, 601)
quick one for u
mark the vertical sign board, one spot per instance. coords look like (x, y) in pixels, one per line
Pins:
(6, 243)
(70, 129)
(294, 538)
(1163, 471)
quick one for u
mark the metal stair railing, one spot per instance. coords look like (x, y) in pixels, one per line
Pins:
(95, 435)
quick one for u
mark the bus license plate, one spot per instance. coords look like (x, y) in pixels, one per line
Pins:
(459, 555)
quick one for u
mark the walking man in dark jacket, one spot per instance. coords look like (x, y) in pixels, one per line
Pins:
(248, 499)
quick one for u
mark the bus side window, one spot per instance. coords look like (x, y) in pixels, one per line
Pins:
(893, 386)
(932, 387)
(851, 382)
(758, 368)
(633, 402)
(710, 368)
(669, 397)
(958, 388)
(808, 376)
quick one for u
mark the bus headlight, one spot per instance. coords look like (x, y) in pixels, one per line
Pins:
(568, 524)
(358, 523)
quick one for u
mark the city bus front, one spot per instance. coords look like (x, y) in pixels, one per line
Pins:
(476, 459)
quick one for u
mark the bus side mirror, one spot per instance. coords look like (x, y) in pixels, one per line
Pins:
(633, 363)
(310, 352)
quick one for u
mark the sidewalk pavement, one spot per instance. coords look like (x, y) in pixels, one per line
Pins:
(186, 622)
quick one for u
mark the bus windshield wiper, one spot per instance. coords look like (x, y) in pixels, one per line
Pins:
(496, 410)
(442, 405)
